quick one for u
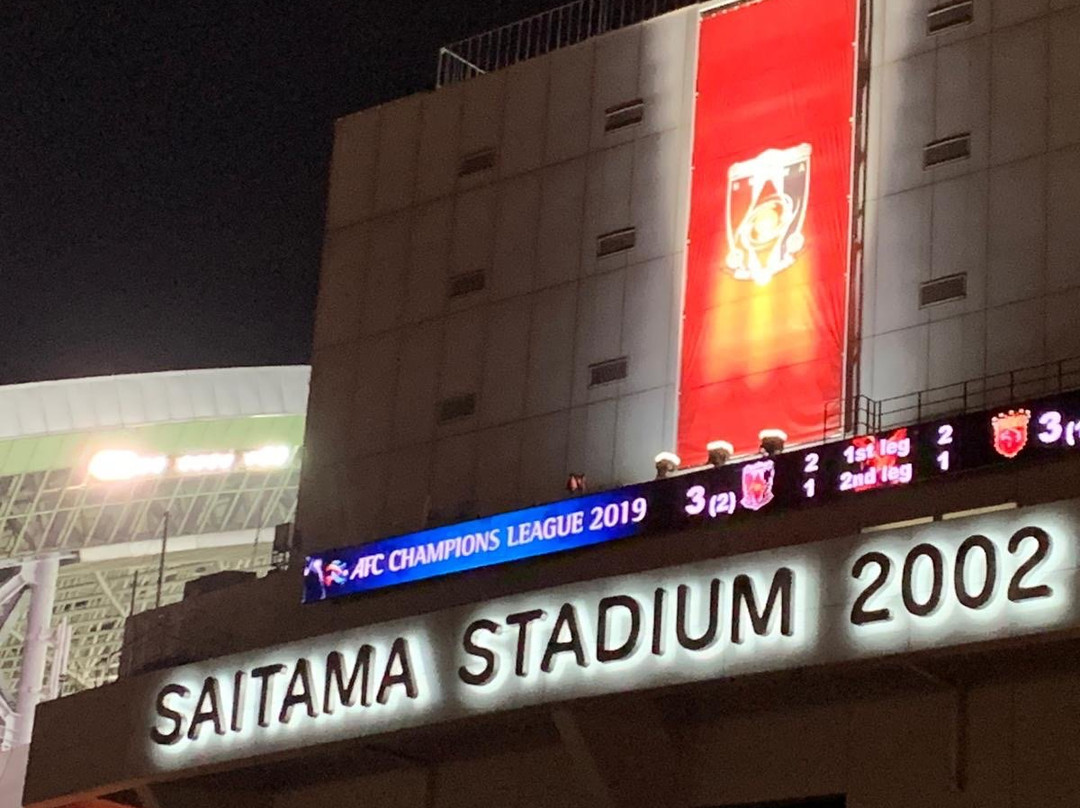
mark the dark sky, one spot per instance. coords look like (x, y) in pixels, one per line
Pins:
(163, 168)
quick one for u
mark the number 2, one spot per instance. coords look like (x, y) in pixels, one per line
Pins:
(810, 463)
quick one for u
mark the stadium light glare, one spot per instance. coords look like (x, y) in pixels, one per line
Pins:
(117, 465)
(267, 458)
(210, 461)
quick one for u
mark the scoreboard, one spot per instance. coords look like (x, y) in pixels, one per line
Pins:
(798, 478)
(894, 458)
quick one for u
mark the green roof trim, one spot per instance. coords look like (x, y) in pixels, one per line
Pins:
(48, 452)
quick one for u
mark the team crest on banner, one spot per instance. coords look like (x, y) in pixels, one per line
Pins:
(766, 209)
(757, 484)
(1010, 432)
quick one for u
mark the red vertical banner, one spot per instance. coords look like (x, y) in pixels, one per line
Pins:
(765, 312)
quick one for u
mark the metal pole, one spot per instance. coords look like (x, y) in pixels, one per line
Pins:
(161, 561)
(134, 590)
(41, 575)
(258, 529)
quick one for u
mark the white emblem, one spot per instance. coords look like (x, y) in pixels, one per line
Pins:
(766, 208)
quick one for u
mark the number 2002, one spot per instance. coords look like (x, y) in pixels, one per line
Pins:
(1030, 544)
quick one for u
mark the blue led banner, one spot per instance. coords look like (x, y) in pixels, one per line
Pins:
(551, 528)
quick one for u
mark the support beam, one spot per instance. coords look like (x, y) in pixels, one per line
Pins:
(586, 767)
(146, 795)
(958, 733)
(120, 610)
(8, 628)
(42, 573)
(622, 754)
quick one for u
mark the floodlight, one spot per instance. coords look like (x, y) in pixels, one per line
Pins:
(772, 441)
(720, 452)
(666, 463)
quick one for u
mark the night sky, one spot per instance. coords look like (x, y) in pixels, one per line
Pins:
(163, 169)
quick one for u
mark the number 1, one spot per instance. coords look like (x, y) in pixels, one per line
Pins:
(943, 461)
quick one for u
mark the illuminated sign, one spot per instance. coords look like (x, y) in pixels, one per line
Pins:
(769, 238)
(798, 478)
(116, 465)
(944, 584)
(557, 526)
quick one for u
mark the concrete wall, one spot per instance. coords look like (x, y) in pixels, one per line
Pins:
(1003, 216)
(890, 752)
(390, 344)
(1020, 747)
(885, 747)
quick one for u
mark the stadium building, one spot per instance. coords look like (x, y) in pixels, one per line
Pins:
(95, 472)
(694, 421)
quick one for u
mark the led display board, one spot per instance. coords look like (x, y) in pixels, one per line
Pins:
(765, 310)
(554, 527)
(799, 478)
(989, 577)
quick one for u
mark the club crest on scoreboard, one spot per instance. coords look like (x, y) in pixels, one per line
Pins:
(1010, 432)
(757, 484)
(766, 209)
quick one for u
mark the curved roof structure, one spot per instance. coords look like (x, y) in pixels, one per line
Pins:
(110, 530)
(112, 402)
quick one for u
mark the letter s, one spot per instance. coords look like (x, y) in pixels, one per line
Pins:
(177, 731)
(491, 662)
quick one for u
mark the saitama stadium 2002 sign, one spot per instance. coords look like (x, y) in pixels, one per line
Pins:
(765, 313)
(996, 576)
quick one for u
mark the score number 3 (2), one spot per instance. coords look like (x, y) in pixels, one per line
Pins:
(944, 439)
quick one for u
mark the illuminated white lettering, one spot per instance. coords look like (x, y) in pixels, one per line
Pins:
(397, 561)
(1051, 426)
(367, 566)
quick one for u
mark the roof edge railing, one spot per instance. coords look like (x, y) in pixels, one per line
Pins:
(982, 393)
(865, 415)
(542, 33)
(868, 416)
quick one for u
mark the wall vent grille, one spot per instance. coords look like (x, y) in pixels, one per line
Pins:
(952, 287)
(950, 15)
(947, 150)
(476, 162)
(455, 407)
(606, 372)
(616, 241)
(623, 115)
(467, 283)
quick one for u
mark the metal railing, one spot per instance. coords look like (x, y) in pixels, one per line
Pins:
(861, 418)
(996, 390)
(867, 416)
(542, 33)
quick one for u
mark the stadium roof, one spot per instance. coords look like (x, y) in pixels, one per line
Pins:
(110, 402)
(53, 425)
(112, 531)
